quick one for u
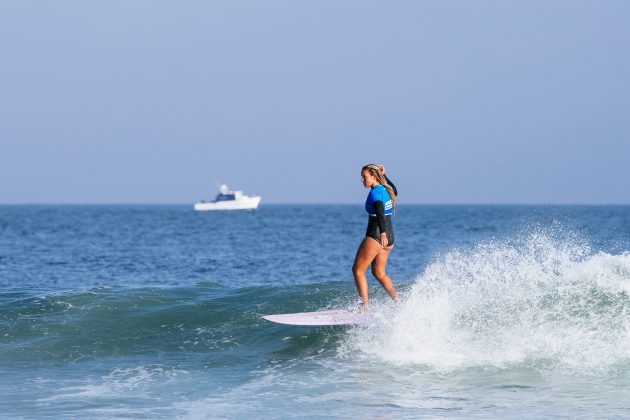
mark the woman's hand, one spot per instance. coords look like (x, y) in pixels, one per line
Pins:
(384, 241)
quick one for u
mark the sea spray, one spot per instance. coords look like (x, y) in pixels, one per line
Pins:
(533, 302)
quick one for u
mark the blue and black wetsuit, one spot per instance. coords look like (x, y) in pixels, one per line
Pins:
(379, 207)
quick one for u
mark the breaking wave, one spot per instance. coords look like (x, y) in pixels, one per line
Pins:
(533, 302)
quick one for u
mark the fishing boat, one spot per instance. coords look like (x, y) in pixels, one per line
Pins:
(229, 200)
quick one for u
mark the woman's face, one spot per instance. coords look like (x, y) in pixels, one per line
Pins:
(368, 179)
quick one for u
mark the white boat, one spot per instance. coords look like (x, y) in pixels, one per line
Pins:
(229, 200)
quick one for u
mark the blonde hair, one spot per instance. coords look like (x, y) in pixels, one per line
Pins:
(375, 171)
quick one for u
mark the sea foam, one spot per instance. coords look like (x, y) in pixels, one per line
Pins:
(535, 302)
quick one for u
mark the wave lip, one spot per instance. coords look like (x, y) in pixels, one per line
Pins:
(537, 303)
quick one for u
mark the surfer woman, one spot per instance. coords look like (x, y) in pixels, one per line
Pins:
(379, 237)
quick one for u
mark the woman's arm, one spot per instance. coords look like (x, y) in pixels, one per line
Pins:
(391, 184)
(379, 209)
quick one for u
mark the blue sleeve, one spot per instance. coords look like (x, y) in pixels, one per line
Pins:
(374, 196)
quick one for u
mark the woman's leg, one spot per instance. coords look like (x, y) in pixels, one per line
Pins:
(368, 249)
(378, 270)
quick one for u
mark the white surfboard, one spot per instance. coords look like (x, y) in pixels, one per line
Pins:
(321, 318)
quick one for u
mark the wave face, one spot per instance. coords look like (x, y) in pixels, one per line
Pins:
(114, 322)
(534, 302)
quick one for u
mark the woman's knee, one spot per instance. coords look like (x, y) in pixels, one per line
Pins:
(357, 269)
(379, 273)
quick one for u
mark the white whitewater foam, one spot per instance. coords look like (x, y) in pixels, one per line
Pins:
(535, 303)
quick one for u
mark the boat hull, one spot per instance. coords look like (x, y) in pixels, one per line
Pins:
(244, 203)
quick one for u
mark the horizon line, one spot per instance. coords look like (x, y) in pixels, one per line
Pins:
(322, 203)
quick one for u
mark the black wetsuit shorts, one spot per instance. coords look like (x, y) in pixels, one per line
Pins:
(373, 230)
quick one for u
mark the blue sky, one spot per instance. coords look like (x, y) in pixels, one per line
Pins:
(463, 101)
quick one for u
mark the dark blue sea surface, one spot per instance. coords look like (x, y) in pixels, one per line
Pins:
(155, 311)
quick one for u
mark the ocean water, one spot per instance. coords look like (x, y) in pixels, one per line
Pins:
(155, 311)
